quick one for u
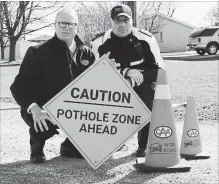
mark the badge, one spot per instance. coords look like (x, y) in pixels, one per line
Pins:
(85, 62)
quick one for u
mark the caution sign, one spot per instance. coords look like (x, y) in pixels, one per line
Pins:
(99, 112)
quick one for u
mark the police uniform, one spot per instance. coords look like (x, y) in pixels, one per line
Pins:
(138, 50)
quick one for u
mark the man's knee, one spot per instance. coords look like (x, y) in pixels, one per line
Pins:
(46, 134)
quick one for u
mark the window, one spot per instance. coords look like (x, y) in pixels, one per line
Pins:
(161, 37)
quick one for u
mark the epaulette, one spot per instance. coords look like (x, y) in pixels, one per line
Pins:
(145, 32)
(97, 36)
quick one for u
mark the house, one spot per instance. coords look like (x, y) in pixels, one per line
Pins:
(22, 46)
(173, 34)
(20, 49)
(40, 39)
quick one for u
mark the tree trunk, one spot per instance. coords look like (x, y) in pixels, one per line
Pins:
(12, 50)
(2, 53)
(2, 48)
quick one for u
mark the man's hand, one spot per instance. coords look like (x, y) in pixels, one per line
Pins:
(111, 60)
(136, 75)
(129, 82)
(39, 118)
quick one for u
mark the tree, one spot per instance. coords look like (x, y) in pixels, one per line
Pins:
(19, 18)
(149, 14)
(3, 43)
(3, 37)
(213, 16)
(93, 20)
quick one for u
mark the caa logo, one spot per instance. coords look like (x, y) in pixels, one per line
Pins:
(85, 62)
(163, 132)
(119, 9)
(192, 133)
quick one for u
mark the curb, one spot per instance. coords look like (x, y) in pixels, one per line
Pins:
(192, 58)
(10, 65)
(10, 108)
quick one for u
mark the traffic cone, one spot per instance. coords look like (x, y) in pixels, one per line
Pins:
(162, 150)
(191, 144)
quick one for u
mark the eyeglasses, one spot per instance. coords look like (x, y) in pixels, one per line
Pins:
(119, 21)
(64, 24)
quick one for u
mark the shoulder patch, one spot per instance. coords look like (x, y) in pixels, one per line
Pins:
(145, 32)
(97, 36)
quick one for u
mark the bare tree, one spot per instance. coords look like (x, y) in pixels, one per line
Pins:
(3, 43)
(19, 18)
(93, 20)
(149, 14)
(3, 36)
(213, 16)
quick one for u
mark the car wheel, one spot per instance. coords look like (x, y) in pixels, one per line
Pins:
(212, 49)
(200, 51)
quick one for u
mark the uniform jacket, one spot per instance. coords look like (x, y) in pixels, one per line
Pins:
(45, 71)
(139, 50)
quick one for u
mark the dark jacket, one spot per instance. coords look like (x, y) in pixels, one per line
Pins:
(45, 71)
(139, 50)
(132, 52)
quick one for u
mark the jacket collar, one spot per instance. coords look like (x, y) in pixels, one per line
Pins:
(113, 36)
(76, 39)
(109, 34)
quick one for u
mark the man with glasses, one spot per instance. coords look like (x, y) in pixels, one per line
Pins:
(45, 70)
(137, 57)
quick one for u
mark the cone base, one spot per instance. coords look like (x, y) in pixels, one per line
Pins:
(148, 169)
(202, 155)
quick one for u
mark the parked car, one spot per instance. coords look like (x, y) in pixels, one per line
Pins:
(205, 40)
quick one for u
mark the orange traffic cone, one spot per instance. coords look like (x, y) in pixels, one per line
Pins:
(162, 150)
(191, 144)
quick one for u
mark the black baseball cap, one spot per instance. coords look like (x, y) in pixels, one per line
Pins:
(121, 9)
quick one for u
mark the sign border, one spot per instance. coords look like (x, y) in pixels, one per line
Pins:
(95, 166)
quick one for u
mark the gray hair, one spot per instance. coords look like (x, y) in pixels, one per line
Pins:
(68, 11)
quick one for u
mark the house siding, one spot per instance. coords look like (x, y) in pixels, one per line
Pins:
(175, 36)
(21, 48)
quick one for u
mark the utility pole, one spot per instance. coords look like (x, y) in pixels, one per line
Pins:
(133, 6)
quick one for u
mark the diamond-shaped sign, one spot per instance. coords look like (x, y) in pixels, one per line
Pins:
(99, 112)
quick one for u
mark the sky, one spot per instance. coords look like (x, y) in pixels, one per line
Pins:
(193, 13)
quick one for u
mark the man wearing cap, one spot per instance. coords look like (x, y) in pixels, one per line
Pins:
(137, 57)
(45, 70)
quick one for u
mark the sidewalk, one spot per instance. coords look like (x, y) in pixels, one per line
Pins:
(13, 63)
(187, 53)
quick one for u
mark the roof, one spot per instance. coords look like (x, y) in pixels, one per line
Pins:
(204, 32)
(174, 20)
(196, 33)
(41, 38)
